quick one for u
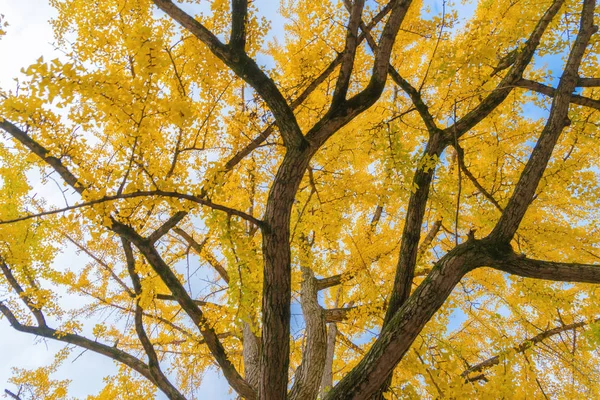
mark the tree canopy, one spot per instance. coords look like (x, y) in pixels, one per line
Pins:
(376, 199)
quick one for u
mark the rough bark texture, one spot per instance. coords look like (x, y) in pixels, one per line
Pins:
(327, 380)
(557, 121)
(251, 354)
(277, 277)
(308, 376)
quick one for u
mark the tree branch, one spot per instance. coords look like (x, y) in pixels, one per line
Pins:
(414, 95)
(349, 109)
(550, 91)
(558, 119)
(153, 363)
(104, 265)
(588, 82)
(72, 181)
(158, 264)
(334, 280)
(522, 347)
(109, 351)
(166, 227)
(310, 372)
(11, 394)
(144, 193)
(401, 330)
(257, 141)
(460, 155)
(347, 64)
(337, 314)
(327, 380)
(35, 310)
(42, 153)
(251, 355)
(350, 344)
(244, 67)
(169, 297)
(411, 234)
(505, 86)
(426, 243)
(189, 306)
(331, 281)
(198, 249)
(548, 270)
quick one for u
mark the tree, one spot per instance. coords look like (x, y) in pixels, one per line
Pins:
(387, 168)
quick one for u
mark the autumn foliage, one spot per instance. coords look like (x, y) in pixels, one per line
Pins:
(387, 199)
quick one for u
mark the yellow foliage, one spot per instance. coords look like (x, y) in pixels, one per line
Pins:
(148, 123)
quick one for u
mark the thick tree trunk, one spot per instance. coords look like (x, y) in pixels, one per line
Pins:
(274, 361)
